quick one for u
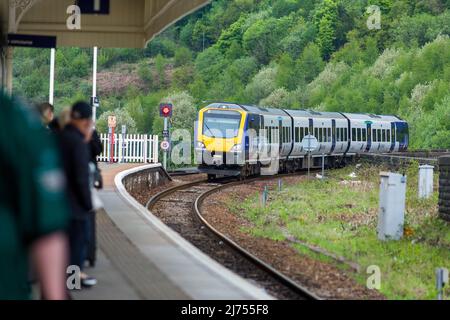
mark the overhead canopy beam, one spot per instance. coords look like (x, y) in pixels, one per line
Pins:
(129, 24)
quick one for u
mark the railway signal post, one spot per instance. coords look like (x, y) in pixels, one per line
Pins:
(112, 123)
(165, 111)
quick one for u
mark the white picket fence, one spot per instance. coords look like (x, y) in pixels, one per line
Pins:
(139, 148)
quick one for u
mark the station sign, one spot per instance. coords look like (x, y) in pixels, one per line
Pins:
(310, 143)
(112, 121)
(94, 6)
(165, 145)
(95, 102)
(31, 41)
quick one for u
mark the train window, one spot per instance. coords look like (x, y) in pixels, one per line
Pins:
(316, 132)
(364, 134)
(379, 135)
(388, 135)
(359, 134)
(354, 134)
(319, 134)
(384, 135)
(374, 135)
(329, 135)
(338, 135)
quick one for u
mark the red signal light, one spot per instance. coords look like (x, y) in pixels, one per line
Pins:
(165, 110)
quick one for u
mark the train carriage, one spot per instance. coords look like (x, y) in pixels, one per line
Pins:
(234, 139)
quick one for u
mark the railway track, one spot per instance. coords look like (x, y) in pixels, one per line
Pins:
(179, 208)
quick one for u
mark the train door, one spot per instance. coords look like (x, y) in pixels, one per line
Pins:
(253, 138)
(392, 137)
(369, 136)
(333, 136)
(402, 135)
(281, 134)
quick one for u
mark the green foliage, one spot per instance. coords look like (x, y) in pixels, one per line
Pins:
(325, 21)
(297, 39)
(262, 38)
(283, 8)
(261, 85)
(287, 76)
(162, 46)
(310, 64)
(421, 28)
(183, 56)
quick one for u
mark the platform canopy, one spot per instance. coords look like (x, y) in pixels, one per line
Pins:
(104, 23)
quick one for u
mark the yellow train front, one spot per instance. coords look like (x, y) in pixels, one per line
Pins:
(220, 140)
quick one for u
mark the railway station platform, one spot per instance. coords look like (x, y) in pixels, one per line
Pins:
(140, 258)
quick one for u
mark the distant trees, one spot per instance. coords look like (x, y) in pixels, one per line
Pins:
(325, 21)
(262, 39)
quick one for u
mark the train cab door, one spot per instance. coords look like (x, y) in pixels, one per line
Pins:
(253, 138)
(392, 137)
(402, 135)
(369, 136)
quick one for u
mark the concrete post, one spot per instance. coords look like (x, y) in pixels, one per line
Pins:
(392, 206)
(9, 69)
(426, 181)
(444, 187)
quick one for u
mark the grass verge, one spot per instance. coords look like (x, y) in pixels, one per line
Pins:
(340, 215)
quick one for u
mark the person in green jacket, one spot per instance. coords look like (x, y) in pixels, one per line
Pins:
(33, 211)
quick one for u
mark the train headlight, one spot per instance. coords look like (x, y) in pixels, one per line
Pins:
(236, 148)
(200, 145)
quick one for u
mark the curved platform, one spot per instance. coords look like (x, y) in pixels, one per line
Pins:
(141, 258)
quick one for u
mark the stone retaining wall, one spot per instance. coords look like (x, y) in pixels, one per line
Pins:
(444, 187)
(145, 180)
(395, 162)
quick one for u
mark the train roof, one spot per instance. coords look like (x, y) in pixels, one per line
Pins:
(315, 114)
(372, 117)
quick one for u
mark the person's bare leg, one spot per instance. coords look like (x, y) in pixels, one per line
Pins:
(49, 256)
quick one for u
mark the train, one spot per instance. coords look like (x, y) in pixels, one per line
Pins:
(240, 140)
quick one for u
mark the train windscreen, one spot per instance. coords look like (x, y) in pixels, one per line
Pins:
(223, 124)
